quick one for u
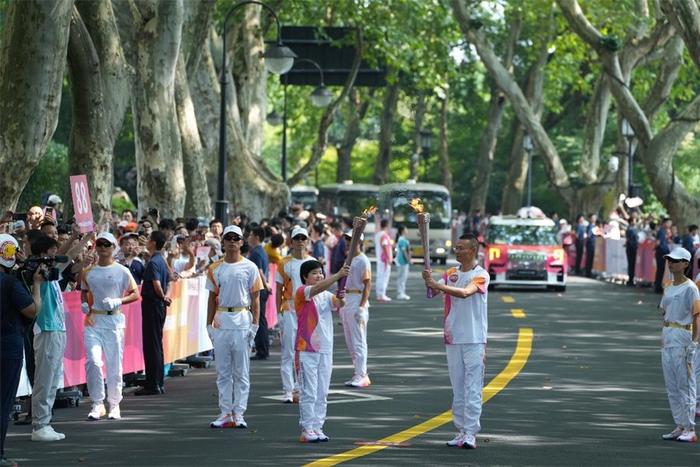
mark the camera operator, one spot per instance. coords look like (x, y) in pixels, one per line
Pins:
(17, 305)
(49, 343)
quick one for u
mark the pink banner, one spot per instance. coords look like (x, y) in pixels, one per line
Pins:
(271, 306)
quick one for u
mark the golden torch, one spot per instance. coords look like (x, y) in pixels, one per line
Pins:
(358, 227)
(423, 221)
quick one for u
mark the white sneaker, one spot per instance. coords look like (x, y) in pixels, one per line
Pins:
(321, 436)
(457, 441)
(349, 382)
(673, 435)
(45, 434)
(239, 421)
(308, 436)
(60, 435)
(115, 413)
(224, 421)
(287, 398)
(469, 441)
(97, 412)
(361, 382)
(403, 297)
(687, 437)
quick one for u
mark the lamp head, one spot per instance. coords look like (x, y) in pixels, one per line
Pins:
(627, 130)
(321, 96)
(426, 139)
(279, 59)
(527, 143)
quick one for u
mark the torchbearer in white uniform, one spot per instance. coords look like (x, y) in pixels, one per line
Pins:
(233, 312)
(314, 342)
(680, 305)
(466, 325)
(105, 287)
(384, 260)
(288, 280)
(355, 313)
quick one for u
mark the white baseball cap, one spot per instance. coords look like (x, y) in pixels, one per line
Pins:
(8, 249)
(232, 229)
(679, 253)
(54, 200)
(298, 230)
(348, 233)
(107, 236)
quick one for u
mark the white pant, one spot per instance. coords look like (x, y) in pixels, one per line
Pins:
(401, 280)
(288, 336)
(231, 352)
(679, 377)
(314, 381)
(697, 376)
(465, 363)
(355, 328)
(111, 343)
(383, 274)
(49, 347)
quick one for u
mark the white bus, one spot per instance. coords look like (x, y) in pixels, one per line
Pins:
(349, 199)
(393, 203)
(306, 195)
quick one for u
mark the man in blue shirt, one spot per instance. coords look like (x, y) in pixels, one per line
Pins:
(688, 242)
(590, 243)
(129, 245)
(259, 257)
(16, 305)
(663, 238)
(580, 239)
(153, 304)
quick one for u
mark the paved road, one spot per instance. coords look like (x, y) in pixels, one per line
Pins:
(590, 393)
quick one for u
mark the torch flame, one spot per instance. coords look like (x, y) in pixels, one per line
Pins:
(417, 205)
(369, 211)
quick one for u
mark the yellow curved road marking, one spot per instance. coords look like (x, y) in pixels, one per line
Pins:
(507, 299)
(517, 312)
(515, 365)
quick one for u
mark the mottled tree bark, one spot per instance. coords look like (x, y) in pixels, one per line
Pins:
(386, 132)
(161, 182)
(356, 111)
(32, 62)
(443, 148)
(100, 95)
(418, 116)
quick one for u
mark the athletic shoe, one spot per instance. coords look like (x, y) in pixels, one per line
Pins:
(457, 441)
(45, 434)
(383, 299)
(239, 421)
(115, 413)
(60, 435)
(673, 435)
(361, 382)
(321, 436)
(688, 437)
(349, 382)
(224, 421)
(287, 398)
(97, 412)
(308, 436)
(469, 441)
(403, 297)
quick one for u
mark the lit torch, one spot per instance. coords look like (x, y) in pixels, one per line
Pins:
(358, 227)
(423, 221)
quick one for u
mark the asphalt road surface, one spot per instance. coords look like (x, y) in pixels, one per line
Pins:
(573, 378)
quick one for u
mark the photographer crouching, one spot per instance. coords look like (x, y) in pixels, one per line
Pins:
(18, 305)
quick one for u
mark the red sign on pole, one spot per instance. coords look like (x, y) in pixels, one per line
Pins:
(81, 203)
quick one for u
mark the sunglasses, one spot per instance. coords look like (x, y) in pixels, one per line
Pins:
(103, 244)
(232, 238)
(674, 260)
(299, 238)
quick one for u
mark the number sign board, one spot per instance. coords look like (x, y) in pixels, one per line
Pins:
(81, 203)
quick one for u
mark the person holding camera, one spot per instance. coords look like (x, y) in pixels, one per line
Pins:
(105, 287)
(18, 305)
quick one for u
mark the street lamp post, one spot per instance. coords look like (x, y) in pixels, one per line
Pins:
(278, 59)
(320, 97)
(527, 146)
(628, 133)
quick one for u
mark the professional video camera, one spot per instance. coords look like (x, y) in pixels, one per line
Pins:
(31, 264)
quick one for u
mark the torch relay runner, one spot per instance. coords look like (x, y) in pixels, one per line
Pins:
(233, 312)
(465, 330)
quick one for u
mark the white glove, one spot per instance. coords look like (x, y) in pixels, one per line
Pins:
(112, 303)
(252, 331)
(84, 307)
(690, 351)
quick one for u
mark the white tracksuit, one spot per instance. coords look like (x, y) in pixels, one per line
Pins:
(355, 328)
(465, 363)
(315, 379)
(108, 343)
(401, 279)
(232, 369)
(677, 364)
(288, 335)
(383, 268)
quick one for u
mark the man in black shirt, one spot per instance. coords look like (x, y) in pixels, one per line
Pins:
(153, 304)
(259, 257)
(632, 236)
